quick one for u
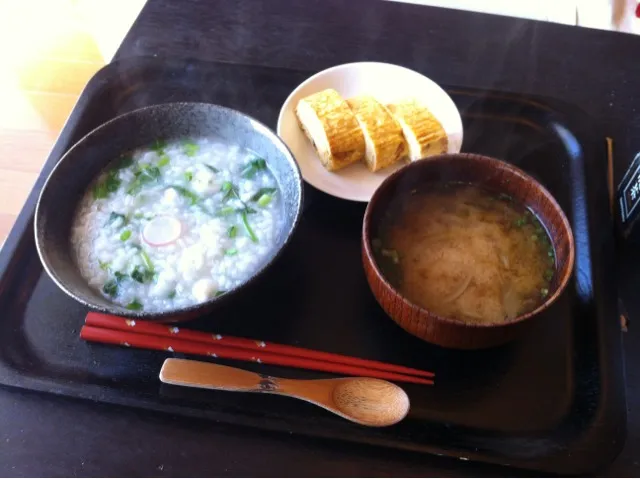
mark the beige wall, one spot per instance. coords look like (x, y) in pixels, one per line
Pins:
(616, 15)
(49, 49)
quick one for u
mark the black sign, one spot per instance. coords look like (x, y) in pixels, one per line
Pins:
(629, 192)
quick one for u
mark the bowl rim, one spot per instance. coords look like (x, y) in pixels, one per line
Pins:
(503, 166)
(172, 314)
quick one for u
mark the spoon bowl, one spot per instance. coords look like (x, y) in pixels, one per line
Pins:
(365, 401)
(370, 401)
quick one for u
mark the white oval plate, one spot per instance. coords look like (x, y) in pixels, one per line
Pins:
(387, 83)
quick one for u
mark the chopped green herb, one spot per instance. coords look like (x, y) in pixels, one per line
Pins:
(188, 176)
(548, 274)
(246, 209)
(146, 260)
(135, 305)
(159, 146)
(113, 182)
(231, 252)
(164, 160)
(226, 211)
(521, 221)
(220, 293)
(172, 294)
(255, 165)
(544, 292)
(120, 276)
(247, 226)
(142, 274)
(505, 197)
(151, 171)
(108, 185)
(125, 235)
(125, 162)
(138, 216)
(264, 200)
(110, 288)
(212, 168)
(190, 148)
(550, 253)
(534, 237)
(113, 217)
(146, 174)
(229, 191)
(261, 192)
(104, 266)
(184, 192)
(100, 191)
(232, 232)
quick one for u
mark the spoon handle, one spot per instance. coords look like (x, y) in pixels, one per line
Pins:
(198, 374)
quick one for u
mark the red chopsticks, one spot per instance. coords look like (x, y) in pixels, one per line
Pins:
(109, 329)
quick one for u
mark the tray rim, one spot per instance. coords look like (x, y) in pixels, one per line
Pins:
(10, 252)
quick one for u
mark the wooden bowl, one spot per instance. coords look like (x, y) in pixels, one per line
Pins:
(496, 176)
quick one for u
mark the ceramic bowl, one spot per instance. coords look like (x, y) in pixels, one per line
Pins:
(496, 176)
(76, 170)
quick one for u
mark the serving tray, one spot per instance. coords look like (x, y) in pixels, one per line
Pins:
(553, 401)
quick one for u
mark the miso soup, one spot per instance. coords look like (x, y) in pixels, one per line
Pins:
(465, 253)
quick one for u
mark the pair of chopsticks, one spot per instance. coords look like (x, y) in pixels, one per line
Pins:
(103, 328)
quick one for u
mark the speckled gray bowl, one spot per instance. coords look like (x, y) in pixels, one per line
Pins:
(172, 121)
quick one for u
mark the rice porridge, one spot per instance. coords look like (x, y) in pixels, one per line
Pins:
(176, 224)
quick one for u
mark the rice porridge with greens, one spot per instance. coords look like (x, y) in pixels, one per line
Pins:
(176, 224)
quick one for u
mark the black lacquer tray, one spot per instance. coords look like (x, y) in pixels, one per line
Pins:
(553, 401)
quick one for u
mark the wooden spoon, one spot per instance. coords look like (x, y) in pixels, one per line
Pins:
(366, 401)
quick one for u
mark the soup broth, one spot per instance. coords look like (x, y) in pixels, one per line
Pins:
(466, 253)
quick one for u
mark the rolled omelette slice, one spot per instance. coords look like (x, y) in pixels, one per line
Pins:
(384, 140)
(423, 132)
(332, 128)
